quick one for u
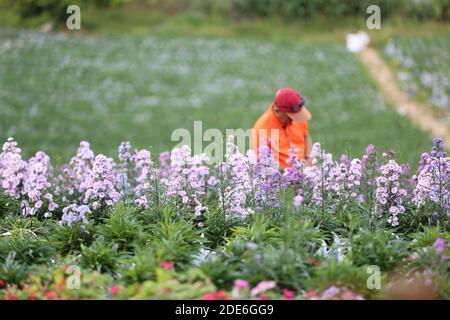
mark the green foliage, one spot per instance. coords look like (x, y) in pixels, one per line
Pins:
(175, 239)
(56, 9)
(140, 267)
(222, 270)
(427, 237)
(53, 283)
(259, 230)
(7, 205)
(101, 255)
(304, 9)
(341, 274)
(218, 227)
(67, 239)
(11, 270)
(381, 248)
(122, 227)
(191, 284)
(286, 266)
(300, 235)
(26, 238)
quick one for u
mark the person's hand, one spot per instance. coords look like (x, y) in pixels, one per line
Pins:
(308, 161)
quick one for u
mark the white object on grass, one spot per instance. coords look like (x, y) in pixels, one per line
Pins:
(357, 41)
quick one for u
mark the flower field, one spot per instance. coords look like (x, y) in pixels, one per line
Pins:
(148, 226)
(140, 88)
(423, 68)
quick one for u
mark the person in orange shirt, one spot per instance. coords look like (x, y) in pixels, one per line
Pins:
(284, 128)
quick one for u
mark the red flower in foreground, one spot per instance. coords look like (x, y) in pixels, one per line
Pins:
(167, 264)
(220, 294)
(208, 296)
(51, 295)
(11, 296)
(2, 283)
(288, 294)
(32, 297)
(310, 294)
(263, 298)
(114, 290)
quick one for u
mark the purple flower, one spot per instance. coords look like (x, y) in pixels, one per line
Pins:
(433, 181)
(298, 199)
(187, 180)
(12, 169)
(100, 183)
(124, 152)
(251, 245)
(123, 182)
(370, 149)
(390, 193)
(73, 214)
(440, 245)
(145, 173)
(71, 181)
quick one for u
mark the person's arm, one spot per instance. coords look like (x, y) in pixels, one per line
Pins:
(308, 147)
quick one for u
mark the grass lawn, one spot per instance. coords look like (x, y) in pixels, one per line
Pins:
(58, 89)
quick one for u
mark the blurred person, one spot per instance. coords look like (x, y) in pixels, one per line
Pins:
(284, 128)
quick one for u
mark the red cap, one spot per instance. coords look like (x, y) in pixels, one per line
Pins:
(290, 101)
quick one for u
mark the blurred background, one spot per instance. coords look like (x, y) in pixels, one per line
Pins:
(138, 69)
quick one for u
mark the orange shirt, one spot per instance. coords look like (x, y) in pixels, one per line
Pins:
(280, 139)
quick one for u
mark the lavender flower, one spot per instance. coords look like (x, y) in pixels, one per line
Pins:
(234, 181)
(12, 168)
(440, 245)
(433, 181)
(268, 179)
(73, 214)
(122, 178)
(186, 183)
(389, 192)
(36, 186)
(145, 174)
(70, 183)
(100, 184)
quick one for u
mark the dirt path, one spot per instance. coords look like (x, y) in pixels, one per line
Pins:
(419, 114)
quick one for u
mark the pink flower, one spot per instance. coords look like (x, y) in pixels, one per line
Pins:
(440, 245)
(208, 296)
(311, 294)
(220, 294)
(348, 295)
(288, 294)
(51, 295)
(262, 287)
(167, 264)
(298, 201)
(331, 293)
(241, 284)
(115, 290)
